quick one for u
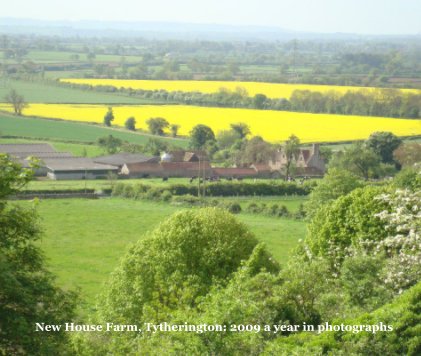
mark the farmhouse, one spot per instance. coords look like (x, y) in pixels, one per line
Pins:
(77, 168)
(307, 162)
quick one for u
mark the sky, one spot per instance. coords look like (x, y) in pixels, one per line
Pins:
(322, 16)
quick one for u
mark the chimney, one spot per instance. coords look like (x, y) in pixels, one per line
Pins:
(315, 149)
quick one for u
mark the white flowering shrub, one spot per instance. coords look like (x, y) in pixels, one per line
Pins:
(403, 245)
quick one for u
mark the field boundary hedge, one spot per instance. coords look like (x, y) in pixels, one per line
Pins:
(218, 189)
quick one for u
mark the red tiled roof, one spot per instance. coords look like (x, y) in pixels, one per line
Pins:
(144, 167)
(191, 166)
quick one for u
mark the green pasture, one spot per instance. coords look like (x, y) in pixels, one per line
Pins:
(77, 149)
(46, 92)
(65, 56)
(60, 130)
(84, 239)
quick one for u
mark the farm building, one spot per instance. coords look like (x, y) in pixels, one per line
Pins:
(166, 169)
(171, 164)
(308, 162)
(234, 172)
(142, 170)
(77, 168)
(122, 158)
(22, 153)
(185, 156)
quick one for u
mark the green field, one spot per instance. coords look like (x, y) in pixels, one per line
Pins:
(60, 130)
(66, 56)
(84, 239)
(77, 149)
(46, 92)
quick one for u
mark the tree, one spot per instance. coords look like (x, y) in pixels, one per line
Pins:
(174, 129)
(200, 135)
(155, 146)
(28, 294)
(130, 124)
(335, 183)
(17, 101)
(359, 160)
(259, 101)
(383, 144)
(243, 130)
(227, 138)
(110, 143)
(408, 154)
(109, 117)
(255, 150)
(291, 149)
(157, 125)
(178, 262)
(347, 222)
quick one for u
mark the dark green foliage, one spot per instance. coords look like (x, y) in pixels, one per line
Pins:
(255, 150)
(359, 160)
(155, 147)
(234, 188)
(241, 129)
(174, 129)
(403, 314)
(291, 149)
(109, 117)
(384, 144)
(130, 124)
(362, 283)
(28, 294)
(356, 102)
(110, 143)
(200, 136)
(157, 125)
(232, 207)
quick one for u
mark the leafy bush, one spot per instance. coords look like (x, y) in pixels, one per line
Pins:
(185, 199)
(232, 207)
(336, 183)
(409, 178)
(175, 264)
(166, 195)
(347, 222)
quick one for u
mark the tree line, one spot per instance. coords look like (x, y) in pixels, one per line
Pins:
(366, 102)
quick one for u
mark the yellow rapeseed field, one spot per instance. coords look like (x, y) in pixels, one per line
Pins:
(271, 90)
(273, 126)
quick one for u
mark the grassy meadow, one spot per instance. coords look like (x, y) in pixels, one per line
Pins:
(273, 126)
(77, 149)
(84, 239)
(59, 130)
(48, 92)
